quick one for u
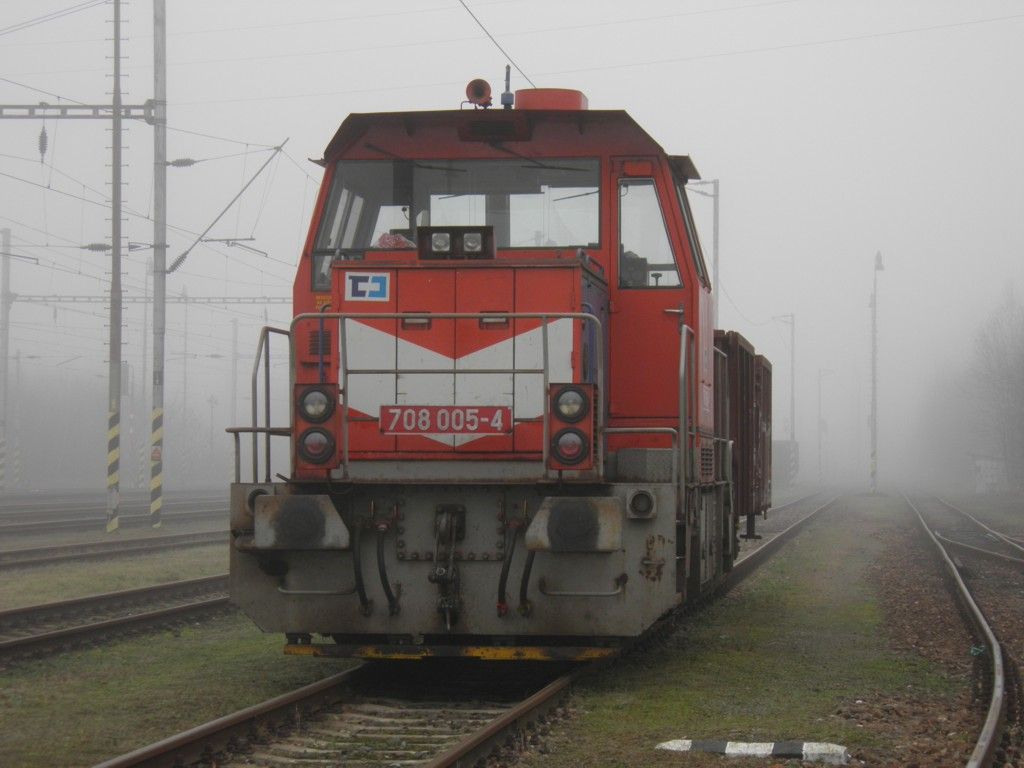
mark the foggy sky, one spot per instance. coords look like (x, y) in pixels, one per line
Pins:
(837, 129)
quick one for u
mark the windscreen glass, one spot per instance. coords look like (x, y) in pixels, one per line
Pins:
(530, 203)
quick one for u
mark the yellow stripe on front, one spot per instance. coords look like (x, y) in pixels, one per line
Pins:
(483, 652)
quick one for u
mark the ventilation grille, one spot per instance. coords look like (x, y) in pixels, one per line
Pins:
(707, 462)
(320, 342)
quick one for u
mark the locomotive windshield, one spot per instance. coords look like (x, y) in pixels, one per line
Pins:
(530, 203)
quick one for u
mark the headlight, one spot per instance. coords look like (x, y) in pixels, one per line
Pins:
(641, 504)
(472, 242)
(571, 405)
(441, 242)
(316, 446)
(316, 405)
(570, 446)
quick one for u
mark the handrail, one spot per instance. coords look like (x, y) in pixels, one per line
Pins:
(619, 584)
(685, 332)
(544, 317)
(262, 355)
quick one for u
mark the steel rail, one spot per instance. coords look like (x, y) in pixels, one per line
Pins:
(97, 523)
(191, 745)
(1008, 541)
(104, 628)
(478, 746)
(980, 550)
(26, 556)
(105, 600)
(18, 507)
(769, 545)
(987, 745)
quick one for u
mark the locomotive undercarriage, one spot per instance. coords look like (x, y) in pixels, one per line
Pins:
(534, 570)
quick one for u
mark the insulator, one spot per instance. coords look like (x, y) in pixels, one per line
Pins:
(43, 141)
(182, 162)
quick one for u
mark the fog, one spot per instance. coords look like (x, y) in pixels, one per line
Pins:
(837, 130)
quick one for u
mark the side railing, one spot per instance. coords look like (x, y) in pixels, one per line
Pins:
(346, 370)
(262, 357)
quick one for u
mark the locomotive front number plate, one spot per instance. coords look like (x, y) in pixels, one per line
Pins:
(445, 420)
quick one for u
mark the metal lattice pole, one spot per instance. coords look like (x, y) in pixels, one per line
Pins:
(156, 456)
(6, 296)
(114, 374)
(874, 373)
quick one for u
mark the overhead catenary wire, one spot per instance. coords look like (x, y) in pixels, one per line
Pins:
(497, 44)
(378, 88)
(181, 259)
(435, 42)
(128, 211)
(53, 15)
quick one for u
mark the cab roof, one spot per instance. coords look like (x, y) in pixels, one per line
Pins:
(611, 128)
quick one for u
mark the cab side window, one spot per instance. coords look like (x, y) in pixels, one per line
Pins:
(645, 251)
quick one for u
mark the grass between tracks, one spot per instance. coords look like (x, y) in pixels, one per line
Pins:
(40, 584)
(772, 661)
(82, 707)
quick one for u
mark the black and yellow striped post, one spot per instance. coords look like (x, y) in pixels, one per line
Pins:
(156, 468)
(113, 465)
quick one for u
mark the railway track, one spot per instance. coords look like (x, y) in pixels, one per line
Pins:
(47, 507)
(56, 510)
(82, 523)
(434, 713)
(989, 595)
(31, 556)
(67, 622)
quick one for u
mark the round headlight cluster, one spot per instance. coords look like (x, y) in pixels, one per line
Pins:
(316, 405)
(316, 446)
(571, 404)
(569, 446)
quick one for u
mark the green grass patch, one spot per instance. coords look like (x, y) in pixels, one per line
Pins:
(41, 584)
(83, 707)
(772, 661)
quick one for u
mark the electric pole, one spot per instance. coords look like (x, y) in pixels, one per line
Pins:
(6, 297)
(879, 267)
(114, 375)
(156, 456)
(791, 319)
(821, 425)
(714, 258)
(714, 243)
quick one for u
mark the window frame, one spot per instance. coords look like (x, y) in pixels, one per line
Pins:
(620, 253)
(599, 166)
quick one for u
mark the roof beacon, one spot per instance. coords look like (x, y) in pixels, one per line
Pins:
(478, 93)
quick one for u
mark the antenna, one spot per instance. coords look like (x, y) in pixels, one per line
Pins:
(508, 98)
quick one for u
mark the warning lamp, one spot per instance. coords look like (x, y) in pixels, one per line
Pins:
(570, 426)
(316, 445)
(478, 92)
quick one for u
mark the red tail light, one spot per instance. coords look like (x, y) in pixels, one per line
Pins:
(571, 426)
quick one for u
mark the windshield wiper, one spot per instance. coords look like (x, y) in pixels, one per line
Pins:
(415, 163)
(534, 162)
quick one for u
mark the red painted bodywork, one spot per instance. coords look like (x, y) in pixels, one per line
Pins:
(643, 338)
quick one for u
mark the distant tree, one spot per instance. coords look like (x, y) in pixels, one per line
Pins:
(999, 367)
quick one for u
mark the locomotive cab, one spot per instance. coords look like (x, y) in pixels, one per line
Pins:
(503, 432)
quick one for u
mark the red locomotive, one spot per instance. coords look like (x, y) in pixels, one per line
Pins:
(513, 434)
